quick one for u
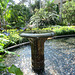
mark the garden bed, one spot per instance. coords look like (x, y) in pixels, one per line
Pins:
(14, 39)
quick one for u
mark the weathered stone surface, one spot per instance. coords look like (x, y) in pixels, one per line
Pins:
(37, 53)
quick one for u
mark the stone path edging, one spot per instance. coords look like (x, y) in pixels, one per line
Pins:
(62, 36)
(18, 45)
(55, 37)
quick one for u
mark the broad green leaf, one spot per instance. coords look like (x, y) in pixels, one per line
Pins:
(1, 59)
(15, 70)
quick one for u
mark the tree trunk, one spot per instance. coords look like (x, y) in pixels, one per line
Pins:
(44, 2)
(40, 3)
(29, 3)
(61, 4)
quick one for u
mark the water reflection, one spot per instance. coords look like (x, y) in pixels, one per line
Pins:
(59, 58)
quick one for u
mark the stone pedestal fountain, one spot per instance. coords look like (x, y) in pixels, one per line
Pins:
(37, 48)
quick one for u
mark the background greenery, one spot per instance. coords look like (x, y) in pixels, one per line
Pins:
(18, 15)
(68, 13)
(14, 16)
(46, 16)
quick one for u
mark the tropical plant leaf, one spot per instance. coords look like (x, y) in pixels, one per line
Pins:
(15, 70)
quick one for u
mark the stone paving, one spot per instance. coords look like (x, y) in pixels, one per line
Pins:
(59, 58)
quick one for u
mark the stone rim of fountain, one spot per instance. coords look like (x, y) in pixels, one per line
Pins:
(38, 35)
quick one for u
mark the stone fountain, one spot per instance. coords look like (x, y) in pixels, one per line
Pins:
(37, 48)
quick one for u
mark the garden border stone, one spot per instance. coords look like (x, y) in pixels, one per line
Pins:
(17, 45)
(26, 43)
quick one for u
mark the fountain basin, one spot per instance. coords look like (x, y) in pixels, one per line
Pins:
(37, 49)
(37, 35)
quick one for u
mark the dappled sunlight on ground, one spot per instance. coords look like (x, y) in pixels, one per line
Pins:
(59, 57)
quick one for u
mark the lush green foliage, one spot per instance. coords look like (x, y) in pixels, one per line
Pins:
(58, 30)
(3, 68)
(44, 18)
(51, 7)
(64, 30)
(7, 26)
(5, 41)
(15, 70)
(3, 3)
(12, 39)
(18, 15)
(68, 13)
(3, 6)
(36, 5)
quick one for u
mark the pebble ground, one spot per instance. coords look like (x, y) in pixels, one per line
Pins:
(59, 58)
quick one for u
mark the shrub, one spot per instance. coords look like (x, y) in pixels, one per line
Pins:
(58, 30)
(3, 68)
(68, 12)
(64, 30)
(18, 15)
(43, 18)
(14, 36)
(12, 39)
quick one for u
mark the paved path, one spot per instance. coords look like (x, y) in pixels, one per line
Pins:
(59, 57)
